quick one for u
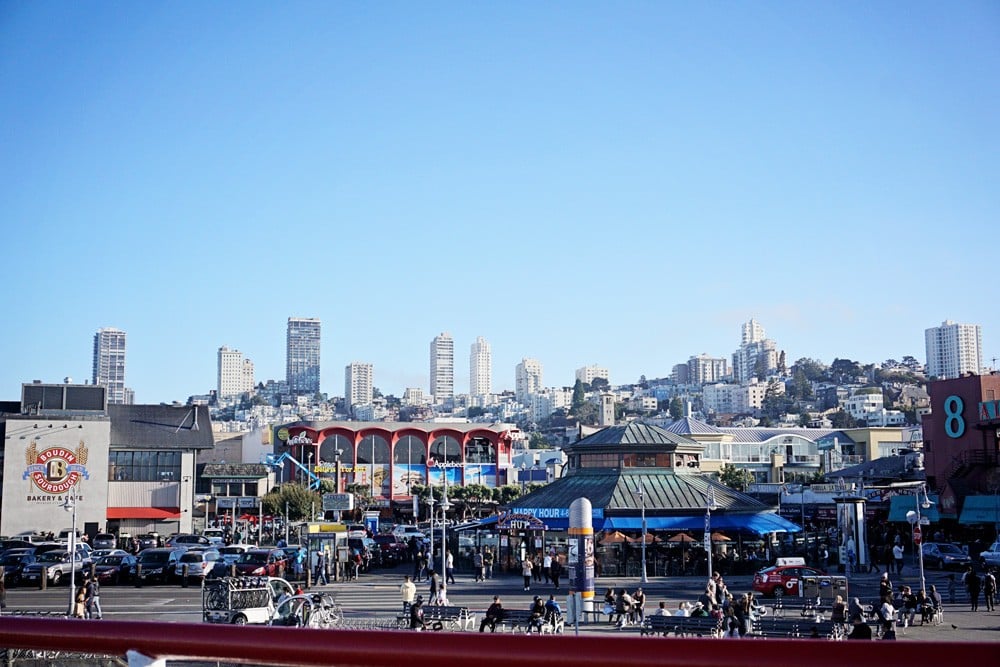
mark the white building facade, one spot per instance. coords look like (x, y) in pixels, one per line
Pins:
(527, 380)
(588, 374)
(953, 349)
(359, 382)
(235, 376)
(442, 362)
(480, 368)
(109, 363)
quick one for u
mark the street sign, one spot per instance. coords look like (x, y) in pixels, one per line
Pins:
(333, 502)
(916, 534)
(924, 521)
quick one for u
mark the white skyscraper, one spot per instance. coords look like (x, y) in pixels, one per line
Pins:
(480, 368)
(757, 356)
(753, 332)
(235, 373)
(358, 382)
(109, 363)
(953, 349)
(527, 380)
(443, 368)
(302, 360)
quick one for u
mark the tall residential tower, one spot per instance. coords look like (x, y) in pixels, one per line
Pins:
(109, 364)
(235, 374)
(953, 349)
(302, 361)
(358, 383)
(480, 368)
(527, 380)
(443, 368)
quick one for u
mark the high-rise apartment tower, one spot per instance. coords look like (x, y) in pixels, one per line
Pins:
(302, 360)
(443, 368)
(358, 382)
(109, 363)
(235, 373)
(527, 380)
(953, 349)
(480, 368)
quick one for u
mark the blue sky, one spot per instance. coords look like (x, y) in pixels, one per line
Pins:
(620, 184)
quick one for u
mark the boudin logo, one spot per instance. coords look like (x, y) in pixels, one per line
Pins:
(56, 469)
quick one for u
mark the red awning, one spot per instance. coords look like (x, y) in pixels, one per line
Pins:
(144, 512)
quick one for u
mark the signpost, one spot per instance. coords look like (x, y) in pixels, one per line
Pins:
(917, 535)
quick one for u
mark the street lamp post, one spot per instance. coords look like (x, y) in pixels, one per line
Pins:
(710, 505)
(70, 506)
(640, 491)
(445, 506)
(913, 516)
(430, 516)
(336, 457)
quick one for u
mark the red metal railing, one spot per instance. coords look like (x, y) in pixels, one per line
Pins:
(290, 646)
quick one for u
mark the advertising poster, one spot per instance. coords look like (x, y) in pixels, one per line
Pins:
(405, 475)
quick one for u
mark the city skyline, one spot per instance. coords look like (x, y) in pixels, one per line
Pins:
(621, 185)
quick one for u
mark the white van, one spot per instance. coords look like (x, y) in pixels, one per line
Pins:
(216, 536)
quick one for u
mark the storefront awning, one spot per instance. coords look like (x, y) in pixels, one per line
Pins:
(144, 513)
(980, 509)
(760, 523)
(900, 505)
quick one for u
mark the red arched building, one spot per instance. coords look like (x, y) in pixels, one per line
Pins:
(392, 456)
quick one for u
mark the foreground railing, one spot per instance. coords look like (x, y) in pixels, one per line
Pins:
(290, 646)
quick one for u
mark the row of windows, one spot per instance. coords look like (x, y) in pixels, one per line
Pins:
(235, 489)
(144, 466)
(408, 449)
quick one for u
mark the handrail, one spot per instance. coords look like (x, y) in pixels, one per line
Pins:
(296, 646)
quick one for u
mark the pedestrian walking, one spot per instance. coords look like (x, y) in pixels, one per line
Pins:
(449, 568)
(952, 589)
(556, 572)
(320, 570)
(897, 555)
(477, 564)
(92, 598)
(526, 567)
(989, 589)
(488, 563)
(547, 567)
(407, 591)
(434, 587)
(972, 585)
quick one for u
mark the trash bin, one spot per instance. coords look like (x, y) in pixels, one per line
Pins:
(838, 586)
(810, 587)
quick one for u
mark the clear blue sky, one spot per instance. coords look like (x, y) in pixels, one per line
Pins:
(619, 183)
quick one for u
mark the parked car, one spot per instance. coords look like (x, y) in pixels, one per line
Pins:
(148, 541)
(944, 556)
(158, 565)
(98, 554)
(199, 563)
(104, 541)
(117, 568)
(216, 536)
(780, 580)
(55, 566)
(990, 557)
(261, 562)
(188, 541)
(13, 563)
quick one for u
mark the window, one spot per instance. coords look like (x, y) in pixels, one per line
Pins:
(144, 466)
(599, 460)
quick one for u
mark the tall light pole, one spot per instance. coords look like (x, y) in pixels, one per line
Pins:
(640, 491)
(710, 505)
(70, 506)
(430, 516)
(913, 516)
(445, 506)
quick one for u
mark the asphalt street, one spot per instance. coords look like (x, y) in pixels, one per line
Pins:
(376, 594)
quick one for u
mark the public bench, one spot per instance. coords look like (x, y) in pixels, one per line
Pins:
(454, 618)
(784, 628)
(681, 626)
(519, 620)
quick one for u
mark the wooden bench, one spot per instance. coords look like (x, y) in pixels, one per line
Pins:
(697, 626)
(777, 627)
(519, 620)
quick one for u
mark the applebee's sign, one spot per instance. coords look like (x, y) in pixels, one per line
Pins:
(56, 469)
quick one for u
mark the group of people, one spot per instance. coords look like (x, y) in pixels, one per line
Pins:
(87, 603)
(542, 568)
(974, 585)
